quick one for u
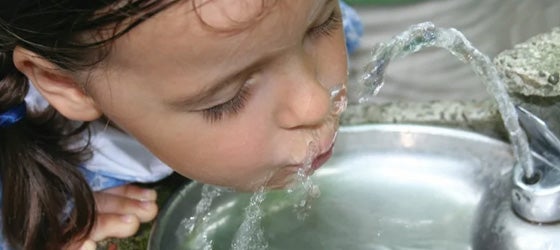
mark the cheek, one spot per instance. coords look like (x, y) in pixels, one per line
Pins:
(247, 144)
(331, 57)
(233, 154)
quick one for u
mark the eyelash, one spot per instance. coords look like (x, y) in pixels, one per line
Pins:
(328, 27)
(237, 103)
(231, 107)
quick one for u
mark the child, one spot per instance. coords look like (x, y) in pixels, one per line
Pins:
(229, 94)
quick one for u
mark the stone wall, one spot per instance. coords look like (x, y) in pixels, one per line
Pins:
(533, 72)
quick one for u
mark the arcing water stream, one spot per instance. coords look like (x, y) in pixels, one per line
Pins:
(426, 35)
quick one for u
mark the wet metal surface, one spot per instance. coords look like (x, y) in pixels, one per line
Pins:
(387, 187)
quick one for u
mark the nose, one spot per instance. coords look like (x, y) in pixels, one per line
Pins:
(304, 101)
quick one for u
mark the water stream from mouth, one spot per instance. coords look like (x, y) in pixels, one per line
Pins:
(425, 35)
(250, 235)
(303, 187)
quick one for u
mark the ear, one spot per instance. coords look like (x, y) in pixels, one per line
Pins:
(60, 88)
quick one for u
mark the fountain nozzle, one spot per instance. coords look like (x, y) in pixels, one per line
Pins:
(537, 198)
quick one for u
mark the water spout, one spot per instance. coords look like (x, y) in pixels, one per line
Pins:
(537, 199)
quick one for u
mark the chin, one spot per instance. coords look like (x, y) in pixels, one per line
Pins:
(280, 180)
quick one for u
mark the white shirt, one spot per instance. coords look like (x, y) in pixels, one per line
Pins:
(115, 154)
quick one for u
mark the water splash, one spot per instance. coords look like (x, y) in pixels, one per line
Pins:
(425, 35)
(303, 190)
(202, 211)
(250, 235)
(339, 99)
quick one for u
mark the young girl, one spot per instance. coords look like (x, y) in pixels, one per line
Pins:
(230, 93)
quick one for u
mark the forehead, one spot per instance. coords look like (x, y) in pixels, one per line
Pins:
(227, 17)
(226, 14)
(193, 39)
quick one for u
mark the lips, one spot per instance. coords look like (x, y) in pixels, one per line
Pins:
(322, 158)
(323, 146)
(325, 154)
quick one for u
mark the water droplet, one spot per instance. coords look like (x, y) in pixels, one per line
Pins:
(554, 78)
(339, 99)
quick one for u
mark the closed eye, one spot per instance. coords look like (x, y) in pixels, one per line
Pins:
(333, 22)
(230, 107)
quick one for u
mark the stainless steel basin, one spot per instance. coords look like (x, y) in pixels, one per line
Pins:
(387, 187)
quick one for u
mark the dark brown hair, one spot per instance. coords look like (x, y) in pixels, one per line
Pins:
(38, 165)
(37, 160)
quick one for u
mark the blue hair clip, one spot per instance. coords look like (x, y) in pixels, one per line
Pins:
(13, 115)
(353, 27)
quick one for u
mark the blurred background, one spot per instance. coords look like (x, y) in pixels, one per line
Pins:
(492, 26)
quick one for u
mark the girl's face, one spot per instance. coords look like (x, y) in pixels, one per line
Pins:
(228, 108)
